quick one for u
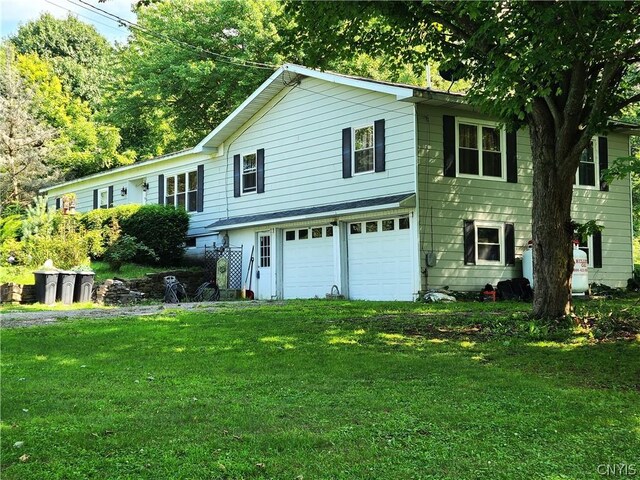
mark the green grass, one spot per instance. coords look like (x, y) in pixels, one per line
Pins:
(317, 389)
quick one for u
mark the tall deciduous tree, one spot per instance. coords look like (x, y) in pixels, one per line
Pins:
(560, 68)
(81, 57)
(188, 66)
(24, 140)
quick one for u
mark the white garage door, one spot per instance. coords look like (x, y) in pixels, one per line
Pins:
(307, 262)
(380, 260)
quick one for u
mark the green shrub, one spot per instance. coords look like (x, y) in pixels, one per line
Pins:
(68, 244)
(125, 249)
(103, 217)
(10, 228)
(161, 228)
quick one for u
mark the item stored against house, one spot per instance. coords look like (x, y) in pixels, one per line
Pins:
(580, 276)
(174, 291)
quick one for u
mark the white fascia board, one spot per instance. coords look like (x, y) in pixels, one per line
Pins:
(133, 166)
(401, 93)
(316, 216)
(203, 143)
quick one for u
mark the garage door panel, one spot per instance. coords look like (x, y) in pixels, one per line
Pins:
(380, 260)
(307, 262)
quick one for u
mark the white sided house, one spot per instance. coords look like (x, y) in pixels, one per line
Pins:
(377, 189)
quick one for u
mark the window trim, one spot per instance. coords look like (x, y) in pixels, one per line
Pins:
(174, 178)
(353, 149)
(596, 171)
(501, 242)
(590, 248)
(503, 148)
(243, 190)
(104, 190)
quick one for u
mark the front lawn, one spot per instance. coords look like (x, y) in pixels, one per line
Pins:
(317, 389)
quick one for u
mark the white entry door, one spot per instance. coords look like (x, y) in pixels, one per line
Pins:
(263, 267)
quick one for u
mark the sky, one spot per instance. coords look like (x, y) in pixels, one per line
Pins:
(16, 12)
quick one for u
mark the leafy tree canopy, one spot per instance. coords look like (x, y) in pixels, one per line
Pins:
(181, 73)
(81, 57)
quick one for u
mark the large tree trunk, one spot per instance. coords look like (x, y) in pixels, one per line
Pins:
(551, 224)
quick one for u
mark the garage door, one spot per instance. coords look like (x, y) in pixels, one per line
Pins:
(307, 262)
(380, 260)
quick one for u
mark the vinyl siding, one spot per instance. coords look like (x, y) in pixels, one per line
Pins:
(301, 133)
(83, 189)
(453, 200)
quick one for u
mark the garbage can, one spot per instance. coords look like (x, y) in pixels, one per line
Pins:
(66, 286)
(84, 286)
(46, 286)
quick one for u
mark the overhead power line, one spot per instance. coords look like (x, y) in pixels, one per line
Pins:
(165, 38)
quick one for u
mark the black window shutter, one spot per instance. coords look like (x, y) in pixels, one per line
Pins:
(346, 153)
(200, 189)
(597, 250)
(449, 139)
(236, 175)
(469, 243)
(260, 170)
(110, 199)
(161, 189)
(378, 128)
(512, 158)
(603, 160)
(58, 203)
(95, 199)
(509, 244)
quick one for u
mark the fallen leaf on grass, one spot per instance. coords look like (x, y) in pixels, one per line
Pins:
(25, 458)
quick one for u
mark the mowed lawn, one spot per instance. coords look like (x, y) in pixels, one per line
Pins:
(316, 389)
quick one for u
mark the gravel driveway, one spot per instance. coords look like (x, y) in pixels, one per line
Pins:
(30, 319)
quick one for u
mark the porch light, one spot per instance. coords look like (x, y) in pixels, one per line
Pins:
(123, 192)
(145, 186)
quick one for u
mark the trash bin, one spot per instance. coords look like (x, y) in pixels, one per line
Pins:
(46, 286)
(84, 286)
(66, 286)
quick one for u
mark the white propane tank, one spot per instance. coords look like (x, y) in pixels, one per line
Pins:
(580, 277)
(527, 263)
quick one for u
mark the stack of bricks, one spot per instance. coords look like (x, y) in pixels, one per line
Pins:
(17, 293)
(115, 292)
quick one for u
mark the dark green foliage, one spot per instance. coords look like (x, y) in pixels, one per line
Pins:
(81, 57)
(125, 249)
(103, 217)
(161, 228)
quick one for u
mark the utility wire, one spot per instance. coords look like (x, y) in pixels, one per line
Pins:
(165, 38)
(92, 20)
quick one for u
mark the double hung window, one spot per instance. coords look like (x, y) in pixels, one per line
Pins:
(481, 150)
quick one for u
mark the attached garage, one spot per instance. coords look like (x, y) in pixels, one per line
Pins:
(308, 262)
(380, 259)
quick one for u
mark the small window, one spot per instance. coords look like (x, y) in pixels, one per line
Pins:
(103, 198)
(290, 235)
(363, 149)
(181, 190)
(387, 225)
(480, 150)
(588, 169)
(265, 251)
(249, 173)
(489, 243)
(329, 232)
(316, 232)
(190, 242)
(371, 227)
(355, 228)
(587, 247)
(303, 234)
(403, 223)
